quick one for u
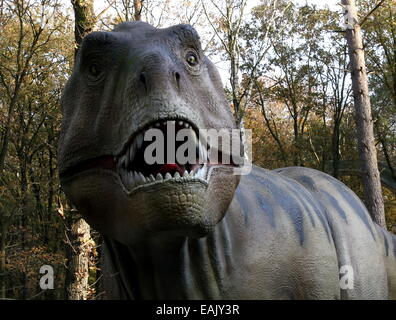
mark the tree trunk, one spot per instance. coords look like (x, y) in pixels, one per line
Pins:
(137, 5)
(78, 256)
(336, 149)
(78, 230)
(364, 122)
(84, 20)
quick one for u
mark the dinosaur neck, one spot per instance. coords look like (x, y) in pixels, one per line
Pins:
(179, 268)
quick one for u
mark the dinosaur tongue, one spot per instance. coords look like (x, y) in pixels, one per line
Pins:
(170, 167)
(174, 167)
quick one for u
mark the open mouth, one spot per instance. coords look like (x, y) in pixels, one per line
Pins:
(133, 168)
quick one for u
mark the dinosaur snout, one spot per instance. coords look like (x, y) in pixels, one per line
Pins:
(157, 73)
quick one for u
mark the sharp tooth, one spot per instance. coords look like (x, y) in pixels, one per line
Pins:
(210, 151)
(130, 180)
(192, 173)
(201, 172)
(202, 154)
(151, 178)
(185, 174)
(180, 123)
(139, 140)
(157, 124)
(159, 176)
(186, 125)
(142, 178)
(168, 176)
(134, 144)
(176, 175)
(122, 161)
(136, 177)
(130, 155)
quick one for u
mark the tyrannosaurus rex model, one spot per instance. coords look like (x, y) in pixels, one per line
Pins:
(197, 230)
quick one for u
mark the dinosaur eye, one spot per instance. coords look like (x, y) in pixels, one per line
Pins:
(192, 59)
(94, 70)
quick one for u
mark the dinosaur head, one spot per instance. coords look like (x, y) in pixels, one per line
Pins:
(125, 83)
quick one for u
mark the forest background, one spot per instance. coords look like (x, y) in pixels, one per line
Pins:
(286, 74)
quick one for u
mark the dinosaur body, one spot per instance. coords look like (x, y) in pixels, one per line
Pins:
(192, 231)
(286, 235)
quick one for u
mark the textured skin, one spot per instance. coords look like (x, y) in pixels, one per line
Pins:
(281, 234)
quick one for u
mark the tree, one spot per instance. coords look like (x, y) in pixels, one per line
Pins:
(335, 93)
(364, 122)
(34, 50)
(125, 10)
(380, 48)
(78, 231)
(84, 19)
(137, 6)
(290, 70)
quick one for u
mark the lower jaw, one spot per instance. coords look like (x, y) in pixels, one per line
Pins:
(132, 180)
(149, 209)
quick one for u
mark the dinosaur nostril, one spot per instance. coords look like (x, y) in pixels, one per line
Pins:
(177, 77)
(142, 78)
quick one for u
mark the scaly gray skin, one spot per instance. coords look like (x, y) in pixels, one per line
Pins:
(281, 234)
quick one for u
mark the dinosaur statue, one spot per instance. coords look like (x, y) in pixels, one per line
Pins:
(198, 231)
